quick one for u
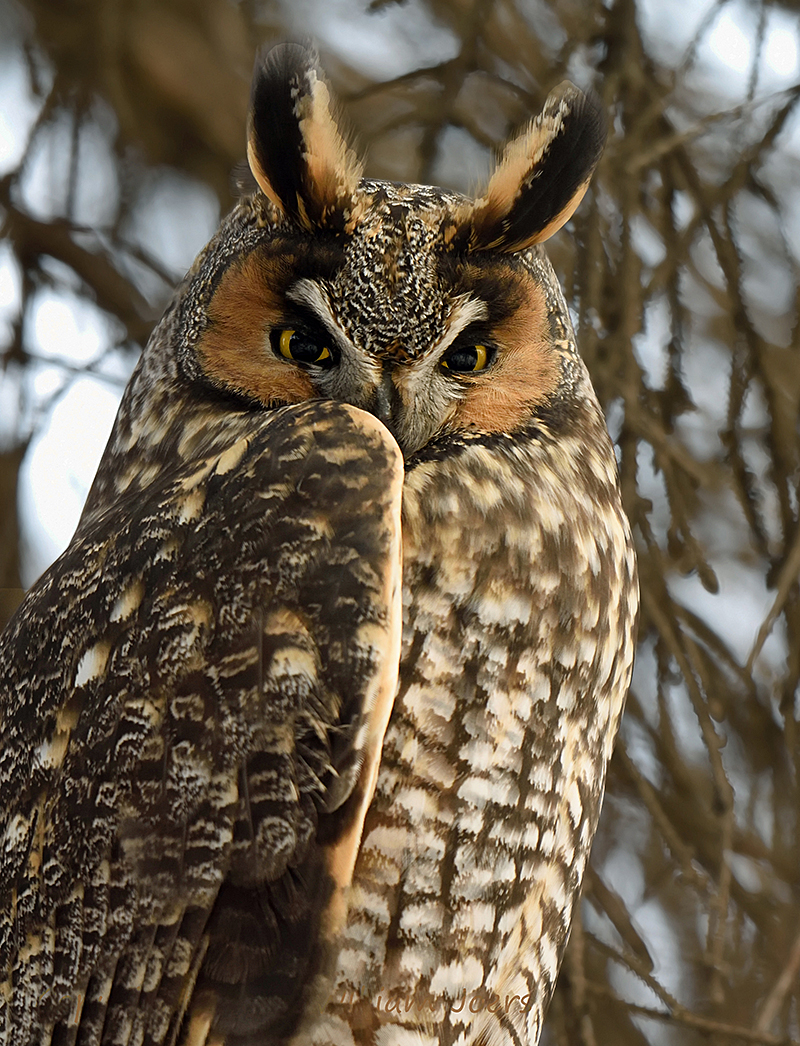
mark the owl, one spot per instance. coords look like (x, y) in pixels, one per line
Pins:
(304, 736)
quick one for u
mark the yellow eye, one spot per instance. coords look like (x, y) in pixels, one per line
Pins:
(301, 348)
(468, 359)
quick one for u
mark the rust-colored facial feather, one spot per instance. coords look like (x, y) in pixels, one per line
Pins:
(525, 373)
(235, 352)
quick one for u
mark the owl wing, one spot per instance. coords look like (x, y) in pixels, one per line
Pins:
(192, 704)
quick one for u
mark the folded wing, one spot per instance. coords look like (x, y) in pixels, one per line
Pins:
(192, 704)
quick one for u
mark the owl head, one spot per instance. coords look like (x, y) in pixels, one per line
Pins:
(438, 313)
(435, 312)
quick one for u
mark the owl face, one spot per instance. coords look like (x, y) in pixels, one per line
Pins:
(438, 314)
(389, 319)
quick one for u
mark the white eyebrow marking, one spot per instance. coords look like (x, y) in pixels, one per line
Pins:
(466, 310)
(307, 292)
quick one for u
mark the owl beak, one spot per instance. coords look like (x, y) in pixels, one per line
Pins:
(386, 404)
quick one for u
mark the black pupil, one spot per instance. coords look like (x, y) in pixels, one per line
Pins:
(463, 359)
(304, 349)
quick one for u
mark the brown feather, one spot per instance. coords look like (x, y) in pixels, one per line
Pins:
(543, 174)
(235, 352)
(526, 373)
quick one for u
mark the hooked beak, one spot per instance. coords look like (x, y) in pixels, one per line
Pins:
(411, 430)
(385, 403)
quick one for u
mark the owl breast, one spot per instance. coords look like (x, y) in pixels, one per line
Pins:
(518, 569)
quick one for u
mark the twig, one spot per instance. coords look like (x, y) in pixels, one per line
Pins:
(784, 984)
(679, 1015)
(786, 579)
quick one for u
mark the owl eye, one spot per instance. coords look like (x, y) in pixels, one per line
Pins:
(469, 359)
(300, 347)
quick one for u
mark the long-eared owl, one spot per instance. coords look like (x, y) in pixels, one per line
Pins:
(304, 737)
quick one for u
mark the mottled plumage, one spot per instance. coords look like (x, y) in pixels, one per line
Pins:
(304, 737)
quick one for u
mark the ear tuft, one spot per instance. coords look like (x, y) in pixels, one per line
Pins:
(542, 175)
(295, 149)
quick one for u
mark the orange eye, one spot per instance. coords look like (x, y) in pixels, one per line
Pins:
(468, 360)
(300, 348)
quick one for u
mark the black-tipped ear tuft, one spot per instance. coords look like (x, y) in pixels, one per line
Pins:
(295, 149)
(543, 174)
